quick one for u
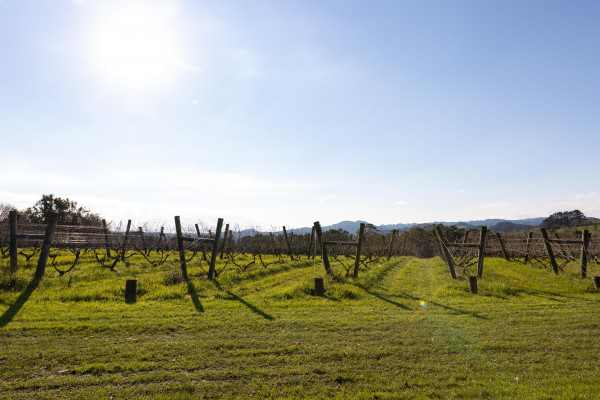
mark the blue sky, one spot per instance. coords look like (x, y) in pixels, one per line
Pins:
(286, 112)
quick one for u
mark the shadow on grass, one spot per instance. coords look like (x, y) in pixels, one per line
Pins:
(252, 307)
(18, 304)
(445, 307)
(517, 291)
(194, 296)
(386, 299)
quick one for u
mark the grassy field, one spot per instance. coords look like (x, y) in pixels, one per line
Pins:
(404, 329)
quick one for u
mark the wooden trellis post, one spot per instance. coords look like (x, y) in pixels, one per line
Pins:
(392, 240)
(225, 238)
(481, 254)
(141, 233)
(361, 239)
(125, 240)
(447, 256)
(502, 248)
(311, 241)
(527, 246)
(549, 250)
(202, 246)
(106, 240)
(46, 244)
(287, 242)
(13, 248)
(215, 250)
(324, 255)
(585, 242)
(180, 248)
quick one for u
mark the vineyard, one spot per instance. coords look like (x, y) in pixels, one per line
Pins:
(260, 327)
(110, 245)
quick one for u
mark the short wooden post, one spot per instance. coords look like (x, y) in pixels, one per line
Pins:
(597, 282)
(287, 242)
(324, 255)
(13, 248)
(481, 250)
(447, 256)
(473, 284)
(502, 248)
(130, 290)
(527, 246)
(46, 244)
(106, 240)
(311, 241)
(361, 239)
(215, 249)
(180, 248)
(125, 240)
(225, 237)
(319, 287)
(391, 246)
(585, 242)
(549, 250)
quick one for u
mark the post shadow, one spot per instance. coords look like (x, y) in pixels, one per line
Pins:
(252, 307)
(194, 296)
(19, 303)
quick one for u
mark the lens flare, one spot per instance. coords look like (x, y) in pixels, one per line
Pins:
(422, 303)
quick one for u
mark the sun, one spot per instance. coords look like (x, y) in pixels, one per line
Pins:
(133, 47)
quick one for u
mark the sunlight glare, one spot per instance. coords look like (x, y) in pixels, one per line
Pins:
(133, 47)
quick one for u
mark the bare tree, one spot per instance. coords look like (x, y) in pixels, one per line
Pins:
(5, 208)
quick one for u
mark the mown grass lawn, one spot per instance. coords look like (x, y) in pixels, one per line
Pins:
(261, 333)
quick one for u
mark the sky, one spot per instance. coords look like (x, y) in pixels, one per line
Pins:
(271, 113)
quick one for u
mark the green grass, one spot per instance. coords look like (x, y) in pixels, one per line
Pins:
(261, 333)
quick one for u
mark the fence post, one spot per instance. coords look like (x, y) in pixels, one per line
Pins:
(13, 247)
(392, 240)
(549, 250)
(527, 245)
(106, 241)
(181, 249)
(287, 242)
(504, 252)
(324, 255)
(130, 290)
(125, 240)
(473, 284)
(585, 241)
(447, 255)
(361, 238)
(46, 244)
(225, 238)
(215, 250)
(481, 254)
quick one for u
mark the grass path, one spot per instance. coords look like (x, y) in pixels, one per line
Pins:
(528, 334)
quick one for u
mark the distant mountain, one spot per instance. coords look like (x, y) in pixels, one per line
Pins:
(494, 224)
(507, 226)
